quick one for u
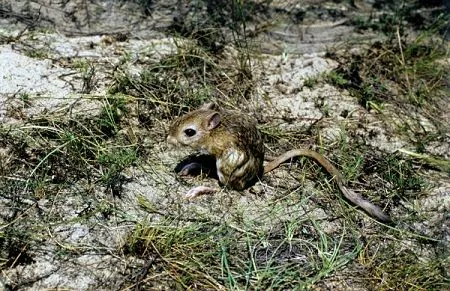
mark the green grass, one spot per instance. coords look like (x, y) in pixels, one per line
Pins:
(172, 86)
(65, 150)
(88, 74)
(405, 270)
(212, 255)
(404, 80)
(311, 82)
(292, 230)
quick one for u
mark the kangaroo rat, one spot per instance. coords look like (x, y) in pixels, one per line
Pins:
(236, 143)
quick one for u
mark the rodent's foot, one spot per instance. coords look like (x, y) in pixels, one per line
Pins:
(199, 190)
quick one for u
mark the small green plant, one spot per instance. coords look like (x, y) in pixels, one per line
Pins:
(337, 79)
(25, 97)
(311, 82)
(87, 71)
(113, 109)
(113, 163)
(37, 53)
(14, 247)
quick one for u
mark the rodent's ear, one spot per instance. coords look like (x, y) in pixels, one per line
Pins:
(208, 106)
(213, 121)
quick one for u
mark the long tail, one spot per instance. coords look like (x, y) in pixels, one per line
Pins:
(349, 194)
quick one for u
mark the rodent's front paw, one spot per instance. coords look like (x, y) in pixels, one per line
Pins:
(199, 190)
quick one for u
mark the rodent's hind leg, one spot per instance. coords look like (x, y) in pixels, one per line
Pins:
(200, 190)
(191, 169)
(195, 165)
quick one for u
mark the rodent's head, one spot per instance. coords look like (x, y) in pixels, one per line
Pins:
(194, 128)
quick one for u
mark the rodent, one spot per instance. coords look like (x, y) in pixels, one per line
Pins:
(237, 145)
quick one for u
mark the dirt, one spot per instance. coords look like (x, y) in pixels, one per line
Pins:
(44, 49)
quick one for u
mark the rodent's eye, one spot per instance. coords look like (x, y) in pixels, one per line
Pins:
(189, 132)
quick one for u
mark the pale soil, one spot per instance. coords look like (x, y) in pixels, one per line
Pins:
(291, 53)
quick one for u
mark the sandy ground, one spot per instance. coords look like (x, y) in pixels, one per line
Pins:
(42, 75)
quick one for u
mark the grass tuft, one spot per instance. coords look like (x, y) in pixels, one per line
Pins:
(291, 231)
(216, 256)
